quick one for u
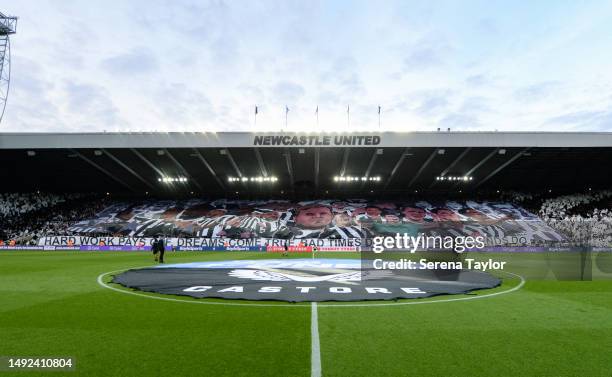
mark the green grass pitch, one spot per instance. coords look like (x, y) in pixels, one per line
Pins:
(52, 305)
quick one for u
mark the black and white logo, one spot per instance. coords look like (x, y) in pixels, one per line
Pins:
(297, 280)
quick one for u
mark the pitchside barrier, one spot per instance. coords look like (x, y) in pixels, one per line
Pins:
(270, 249)
(298, 249)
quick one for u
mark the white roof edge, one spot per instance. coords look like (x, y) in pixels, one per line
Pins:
(44, 140)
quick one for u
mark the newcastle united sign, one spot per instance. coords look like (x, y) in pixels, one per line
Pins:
(316, 140)
(297, 280)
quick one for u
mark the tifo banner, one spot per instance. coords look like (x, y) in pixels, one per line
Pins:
(498, 222)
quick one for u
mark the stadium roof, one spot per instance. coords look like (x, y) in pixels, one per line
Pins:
(304, 163)
(247, 139)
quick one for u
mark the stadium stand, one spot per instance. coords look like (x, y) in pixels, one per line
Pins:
(17, 204)
(26, 217)
(579, 218)
(499, 184)
(582, 218)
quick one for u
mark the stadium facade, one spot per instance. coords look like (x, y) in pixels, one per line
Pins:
(220, 190)
(305, 164)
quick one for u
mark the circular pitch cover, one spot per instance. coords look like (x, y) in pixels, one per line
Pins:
(299, 280)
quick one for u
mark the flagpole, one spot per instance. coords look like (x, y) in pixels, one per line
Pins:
(379, 110)
(286, 116)
(348, 116)
(256, 111)
(317, 113)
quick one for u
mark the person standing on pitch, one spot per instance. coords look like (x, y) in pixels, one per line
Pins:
(314, 250)
(162, 249)
(154, 249)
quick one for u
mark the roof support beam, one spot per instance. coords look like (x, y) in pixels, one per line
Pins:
(481, 162)
(503, 166)
(397, 166)
(262, 166)
(345, 158)
(422, 168)
(452, 165)
(109, 174)
(370, 165)
(289, 165)
(209, 167)
(126, 167)
(146, 161)
(233, 162)
(317, 158)
(182, 168)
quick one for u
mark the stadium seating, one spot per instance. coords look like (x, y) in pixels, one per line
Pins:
(583, 218)
(580, 218)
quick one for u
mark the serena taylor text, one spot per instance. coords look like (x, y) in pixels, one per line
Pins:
(424, 264)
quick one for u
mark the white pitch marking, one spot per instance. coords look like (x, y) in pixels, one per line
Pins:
(103, 284)
(298, 305)
(436, 301)
(315, 350)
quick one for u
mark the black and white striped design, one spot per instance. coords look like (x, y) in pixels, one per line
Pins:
(475, 229)
(345, 232)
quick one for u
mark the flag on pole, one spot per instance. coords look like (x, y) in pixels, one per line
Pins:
(348, 115)
(256, 110)
(317, 110)
(286, 116)
(379, 109)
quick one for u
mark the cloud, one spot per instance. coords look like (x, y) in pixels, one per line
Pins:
(432, 104)
(134, 62)
(475, 105)
(329, 98)
(288, 91)
(477, 80)
(538, 92)
(184, 106)
(91, 105)
(460, 121)
(30, 103)
(584, 120)
(422, 58)
(195, 20)
(427, 52)
(210, 62)
(487, 26)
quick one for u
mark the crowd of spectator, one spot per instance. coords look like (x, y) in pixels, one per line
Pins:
(584, 218)
(17, 204)
(26, 217)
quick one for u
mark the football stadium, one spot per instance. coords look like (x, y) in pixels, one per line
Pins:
(303, 252)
